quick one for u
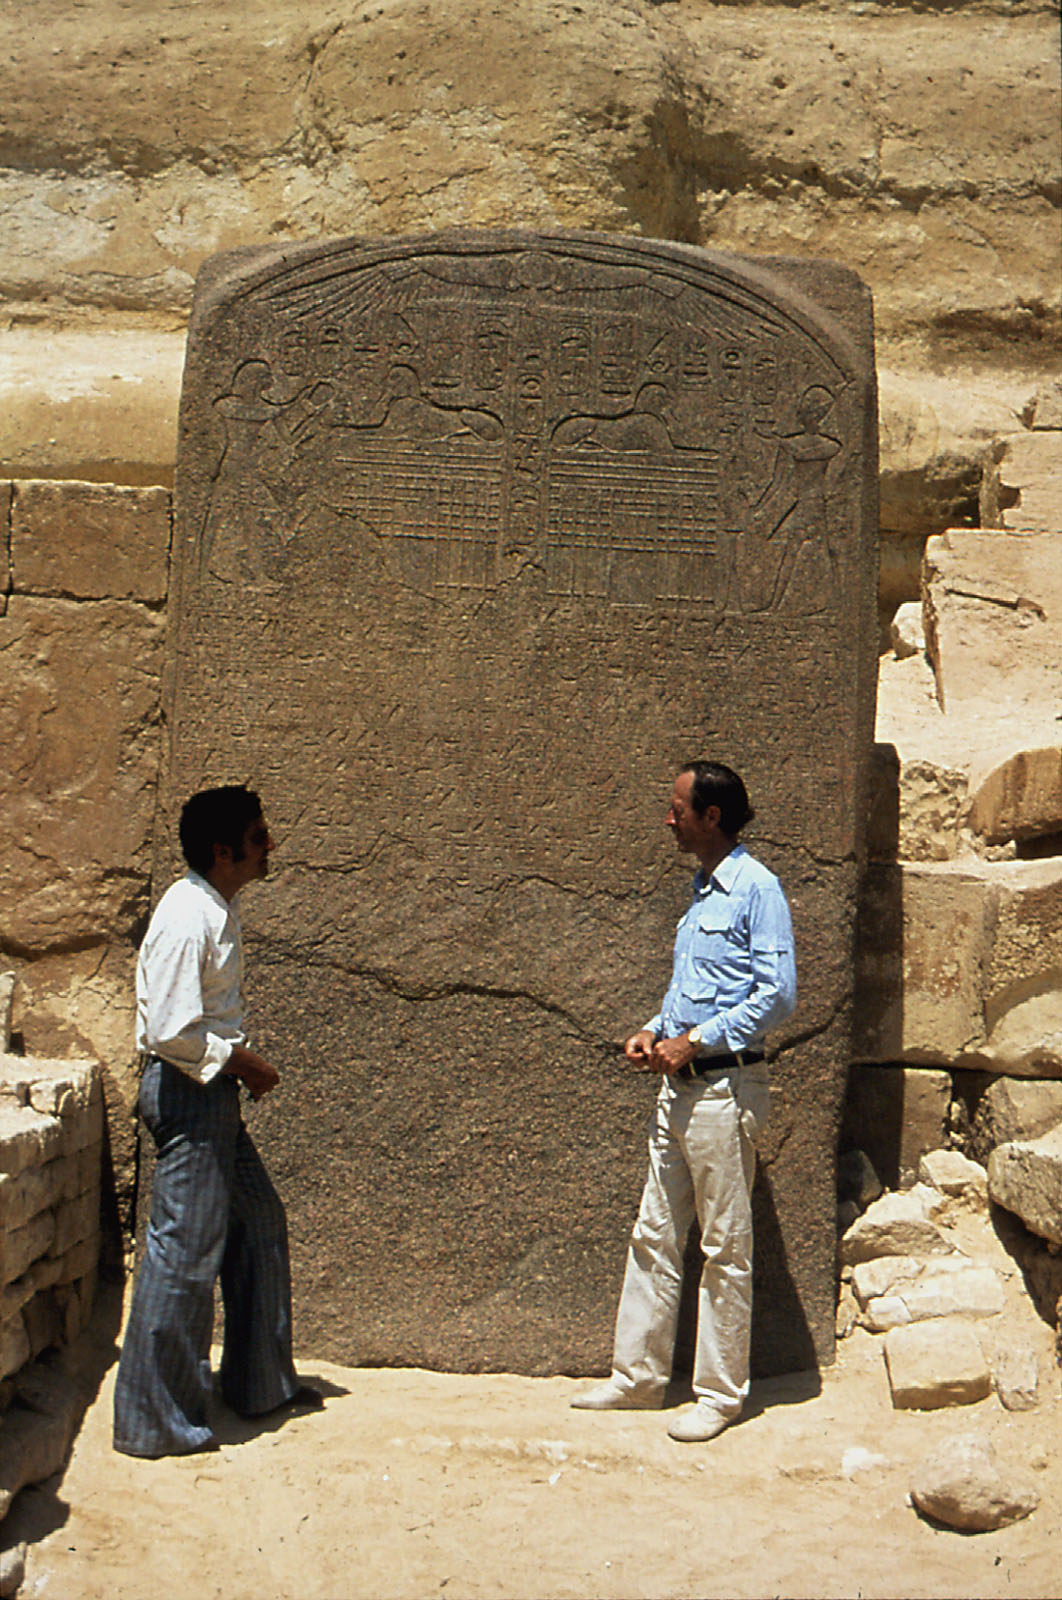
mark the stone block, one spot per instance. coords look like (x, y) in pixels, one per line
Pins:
(43, 1321)
(1022, 993)
(34, 1190)
(79, 1261)
(925, 935)
(907, 631)
(953, 1173)
(1022, 483)
(21, 1247)
(958, 964)
(90, 541)
(458, 539)
(37, 1431)
(82, 1004)
(934, 798)
(896, 1225)
(935, 1364)
(1025, 1177)
(63, 1088)
(27, 1138)
(1016, 1109)
(1019, 799)
(76, 1220)
(993, 614)
(972, 1292)
(896, 1114)
(79, 707)
(41, 1274)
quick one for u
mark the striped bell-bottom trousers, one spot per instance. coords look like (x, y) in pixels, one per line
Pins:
(214, 1212)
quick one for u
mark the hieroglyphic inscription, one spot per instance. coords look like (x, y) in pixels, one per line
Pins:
(528, 404)
(443, 518)
(616, 536)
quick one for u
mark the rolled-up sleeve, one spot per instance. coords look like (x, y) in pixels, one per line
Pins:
(188, 994)
(772, 995)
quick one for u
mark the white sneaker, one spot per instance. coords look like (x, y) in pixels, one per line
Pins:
(697, 1423)
(608, 1397)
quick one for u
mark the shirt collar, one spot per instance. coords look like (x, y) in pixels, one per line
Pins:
(223, 905)
(724, 874)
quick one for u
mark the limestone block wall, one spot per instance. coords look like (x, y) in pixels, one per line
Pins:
(83, 577)
(51, 1146)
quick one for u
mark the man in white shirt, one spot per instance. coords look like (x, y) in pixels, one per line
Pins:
(214, 1210)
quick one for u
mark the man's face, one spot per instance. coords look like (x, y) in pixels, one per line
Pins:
(252, 860)
(691, 832)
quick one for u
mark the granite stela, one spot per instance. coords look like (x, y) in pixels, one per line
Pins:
(479, 535)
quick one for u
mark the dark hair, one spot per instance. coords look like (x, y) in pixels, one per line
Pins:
(716, 785)
(216, 816)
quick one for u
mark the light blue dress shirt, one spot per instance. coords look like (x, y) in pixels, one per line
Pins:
(734, 974)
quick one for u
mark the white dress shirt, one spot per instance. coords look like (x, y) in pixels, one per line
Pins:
(189, 980)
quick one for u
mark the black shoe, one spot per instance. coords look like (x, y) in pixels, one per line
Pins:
(305, 1398)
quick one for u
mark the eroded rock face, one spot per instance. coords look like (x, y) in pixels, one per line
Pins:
(80, 668)
(78, 709)
(919, 149)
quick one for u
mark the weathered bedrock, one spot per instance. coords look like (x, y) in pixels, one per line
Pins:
(918, 146)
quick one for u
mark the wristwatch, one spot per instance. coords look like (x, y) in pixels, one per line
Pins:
(694, 1036)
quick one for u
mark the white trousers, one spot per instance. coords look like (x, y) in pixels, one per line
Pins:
(702, 1160)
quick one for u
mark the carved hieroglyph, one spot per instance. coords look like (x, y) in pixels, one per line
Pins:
(479, 535)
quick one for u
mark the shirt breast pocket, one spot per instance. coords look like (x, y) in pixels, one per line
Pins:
(714, 943)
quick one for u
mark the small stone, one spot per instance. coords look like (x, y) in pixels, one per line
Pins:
(961, 1485)
(878, 1277)
(896, 1225)
(953, 1173)
(12, 1571)
(1016, 1377)
(884, 1312)
(1047, 412)
(847, 1313)
(935, 1364)
(7, 993)
(907, 632)
(857, 1179)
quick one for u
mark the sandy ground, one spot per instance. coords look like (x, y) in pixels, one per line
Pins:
(418, 1484)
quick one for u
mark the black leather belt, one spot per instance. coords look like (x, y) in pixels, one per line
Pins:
(704, 1065)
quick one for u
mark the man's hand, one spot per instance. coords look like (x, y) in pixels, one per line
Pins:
(251, 1070)
(668, 1055)
(639, 1047)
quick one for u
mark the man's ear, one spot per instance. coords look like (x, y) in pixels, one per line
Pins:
(222, 854)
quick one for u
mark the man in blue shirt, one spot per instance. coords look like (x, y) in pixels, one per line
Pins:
(734, 977)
